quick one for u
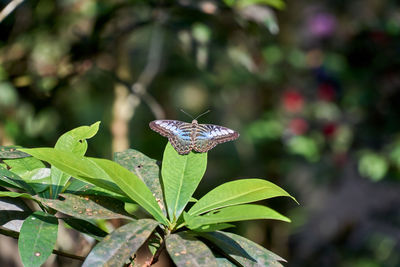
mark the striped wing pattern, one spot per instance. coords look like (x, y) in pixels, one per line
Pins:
(209, 135)
(185, 137)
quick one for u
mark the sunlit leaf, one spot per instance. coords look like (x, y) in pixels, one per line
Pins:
(181, 175)
(103, 173)
(233, 214)
(132, 186)
(145, 168)
(237, 192)
(14, 180)
(77, 166)
(75, 142)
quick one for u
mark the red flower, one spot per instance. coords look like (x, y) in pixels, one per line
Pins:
(292, 101)
(298, 126)
(329, 129)
(326, 92)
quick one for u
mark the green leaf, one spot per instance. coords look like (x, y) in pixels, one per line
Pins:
(14, 180)
(13, 212)
(181, 174)
(102, 173)
(23, 165)
(15, 194)
(185, 250)
(75, 142)
(278, 4)
(87, 207)
(32, 171)
(77, 166)
(133, 187)
(117, 247)
(78, 187)
(213, 227)
(232, 214)
(11, 152)
(85, 227)
(37, 238)
(223, 262)
(145, 168)
(237, 192)
(242, 250)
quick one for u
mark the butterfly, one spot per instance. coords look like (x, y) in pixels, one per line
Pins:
(185, 137)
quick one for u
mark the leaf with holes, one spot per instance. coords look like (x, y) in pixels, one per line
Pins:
(87, 207)
(117, 247)
(186, 250)
(242, 250)
(75, 142)
(11, 152)
(37, 238)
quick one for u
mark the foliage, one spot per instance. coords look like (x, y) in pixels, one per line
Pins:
(108, 187)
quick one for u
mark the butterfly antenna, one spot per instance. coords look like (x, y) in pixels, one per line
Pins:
(187, 114)
(204, 113)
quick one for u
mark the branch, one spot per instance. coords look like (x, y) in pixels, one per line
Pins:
(9, 8)
(150, 71)
(15, 235)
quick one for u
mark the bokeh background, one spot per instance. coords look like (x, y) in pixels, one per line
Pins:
(312, 86)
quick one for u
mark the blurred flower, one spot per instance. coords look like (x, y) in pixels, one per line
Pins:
(326, 92)
(208, 7)
(292, 101)
(322, 25)
(329, 129)
(298, 126)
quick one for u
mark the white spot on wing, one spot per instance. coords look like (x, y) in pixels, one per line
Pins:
(158, 122)
(164, 124)
(230, 131)
(173, 129)
(168, 126)
(224, 132)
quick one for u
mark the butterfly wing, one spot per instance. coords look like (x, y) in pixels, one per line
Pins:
(177, 132)
(209, 135)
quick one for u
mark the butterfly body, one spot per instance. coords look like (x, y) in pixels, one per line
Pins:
(186, 137)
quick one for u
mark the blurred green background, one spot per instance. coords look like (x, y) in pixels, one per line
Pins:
(313, 87)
